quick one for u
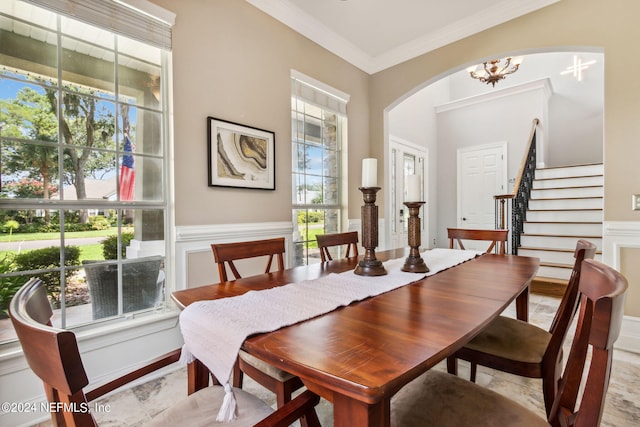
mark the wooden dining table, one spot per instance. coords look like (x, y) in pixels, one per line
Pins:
(360, 355)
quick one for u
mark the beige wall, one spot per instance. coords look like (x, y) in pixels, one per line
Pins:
(630, 267)
(233, 62)
(611, 26)
(608, 25)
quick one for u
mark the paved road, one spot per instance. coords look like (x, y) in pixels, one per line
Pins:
(19, 245)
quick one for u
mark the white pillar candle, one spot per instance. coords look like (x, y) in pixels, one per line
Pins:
(369, 172)
(413, 189)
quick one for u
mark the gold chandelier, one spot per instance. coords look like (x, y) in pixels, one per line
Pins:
(492, 71)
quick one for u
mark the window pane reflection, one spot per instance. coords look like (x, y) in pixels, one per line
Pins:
(64, 112)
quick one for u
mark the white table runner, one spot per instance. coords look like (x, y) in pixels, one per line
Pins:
(214, 330)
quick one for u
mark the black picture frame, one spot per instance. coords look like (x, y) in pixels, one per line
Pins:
(240, 156)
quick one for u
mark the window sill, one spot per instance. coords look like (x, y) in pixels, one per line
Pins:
(96, 336)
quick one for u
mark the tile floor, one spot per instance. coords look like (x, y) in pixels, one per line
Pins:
(135, 406)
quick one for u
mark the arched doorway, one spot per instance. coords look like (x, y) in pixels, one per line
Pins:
(573, 129)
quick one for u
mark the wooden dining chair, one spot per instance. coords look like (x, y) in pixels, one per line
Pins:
(497, 240)
(54, 357)
(282, 383)
(495, 237)
(225, 254)
(440, 399)
(325, 241)
(524, 349)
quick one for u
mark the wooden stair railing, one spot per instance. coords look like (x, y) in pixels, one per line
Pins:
(520, 195)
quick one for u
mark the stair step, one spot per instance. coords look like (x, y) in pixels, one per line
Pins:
(554, 256)
(567, 215)
(556, 241)
(572, 170)
(564, 228)
(556, 265)
(568, 182)
(566, 203)
(559, 273)
(570, 192)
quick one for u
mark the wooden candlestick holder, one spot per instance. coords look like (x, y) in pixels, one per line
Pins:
(414, 262)
(369, 265)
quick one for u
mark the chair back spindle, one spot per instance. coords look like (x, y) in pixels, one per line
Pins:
(326, 241)
(602, 290)
(495, 237)
(225, 254)
(552, 359)
(51, 353)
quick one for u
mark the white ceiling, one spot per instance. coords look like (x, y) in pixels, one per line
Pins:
(376, 34)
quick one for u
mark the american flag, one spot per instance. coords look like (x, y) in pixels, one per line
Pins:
(127, 173)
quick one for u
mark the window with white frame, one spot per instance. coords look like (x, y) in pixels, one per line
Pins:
(83, 175)
(318, 129)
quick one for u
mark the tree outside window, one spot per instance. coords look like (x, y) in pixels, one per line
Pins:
(80, 119)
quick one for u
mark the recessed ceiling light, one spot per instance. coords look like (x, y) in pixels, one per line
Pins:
(577, 68)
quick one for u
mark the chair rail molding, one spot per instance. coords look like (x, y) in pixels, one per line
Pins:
(616, 236)
(192, 240)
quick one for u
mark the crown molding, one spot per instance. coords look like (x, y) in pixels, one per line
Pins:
(305, 24)
(490, 17)
(542, 84)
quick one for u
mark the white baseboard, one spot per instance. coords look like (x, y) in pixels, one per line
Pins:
(629, 339)
(616, 236)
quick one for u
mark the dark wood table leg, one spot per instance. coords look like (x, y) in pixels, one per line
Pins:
(349, 412)
(522, 305)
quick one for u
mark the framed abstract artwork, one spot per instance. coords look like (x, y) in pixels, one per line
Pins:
(240, 156)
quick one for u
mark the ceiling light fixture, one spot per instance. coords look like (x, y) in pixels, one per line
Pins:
(492, 71)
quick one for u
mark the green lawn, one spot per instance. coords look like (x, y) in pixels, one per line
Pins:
(313, 232)
(95, 251)
(19, 237)
(91, 252)
(87, 252)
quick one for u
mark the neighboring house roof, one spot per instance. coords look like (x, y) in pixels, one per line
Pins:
(101, 189)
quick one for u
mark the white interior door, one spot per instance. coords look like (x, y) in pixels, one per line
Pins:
(405, 159)
(481, 175)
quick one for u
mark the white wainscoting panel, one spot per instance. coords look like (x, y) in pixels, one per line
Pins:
(618, 235)
(194, 260)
